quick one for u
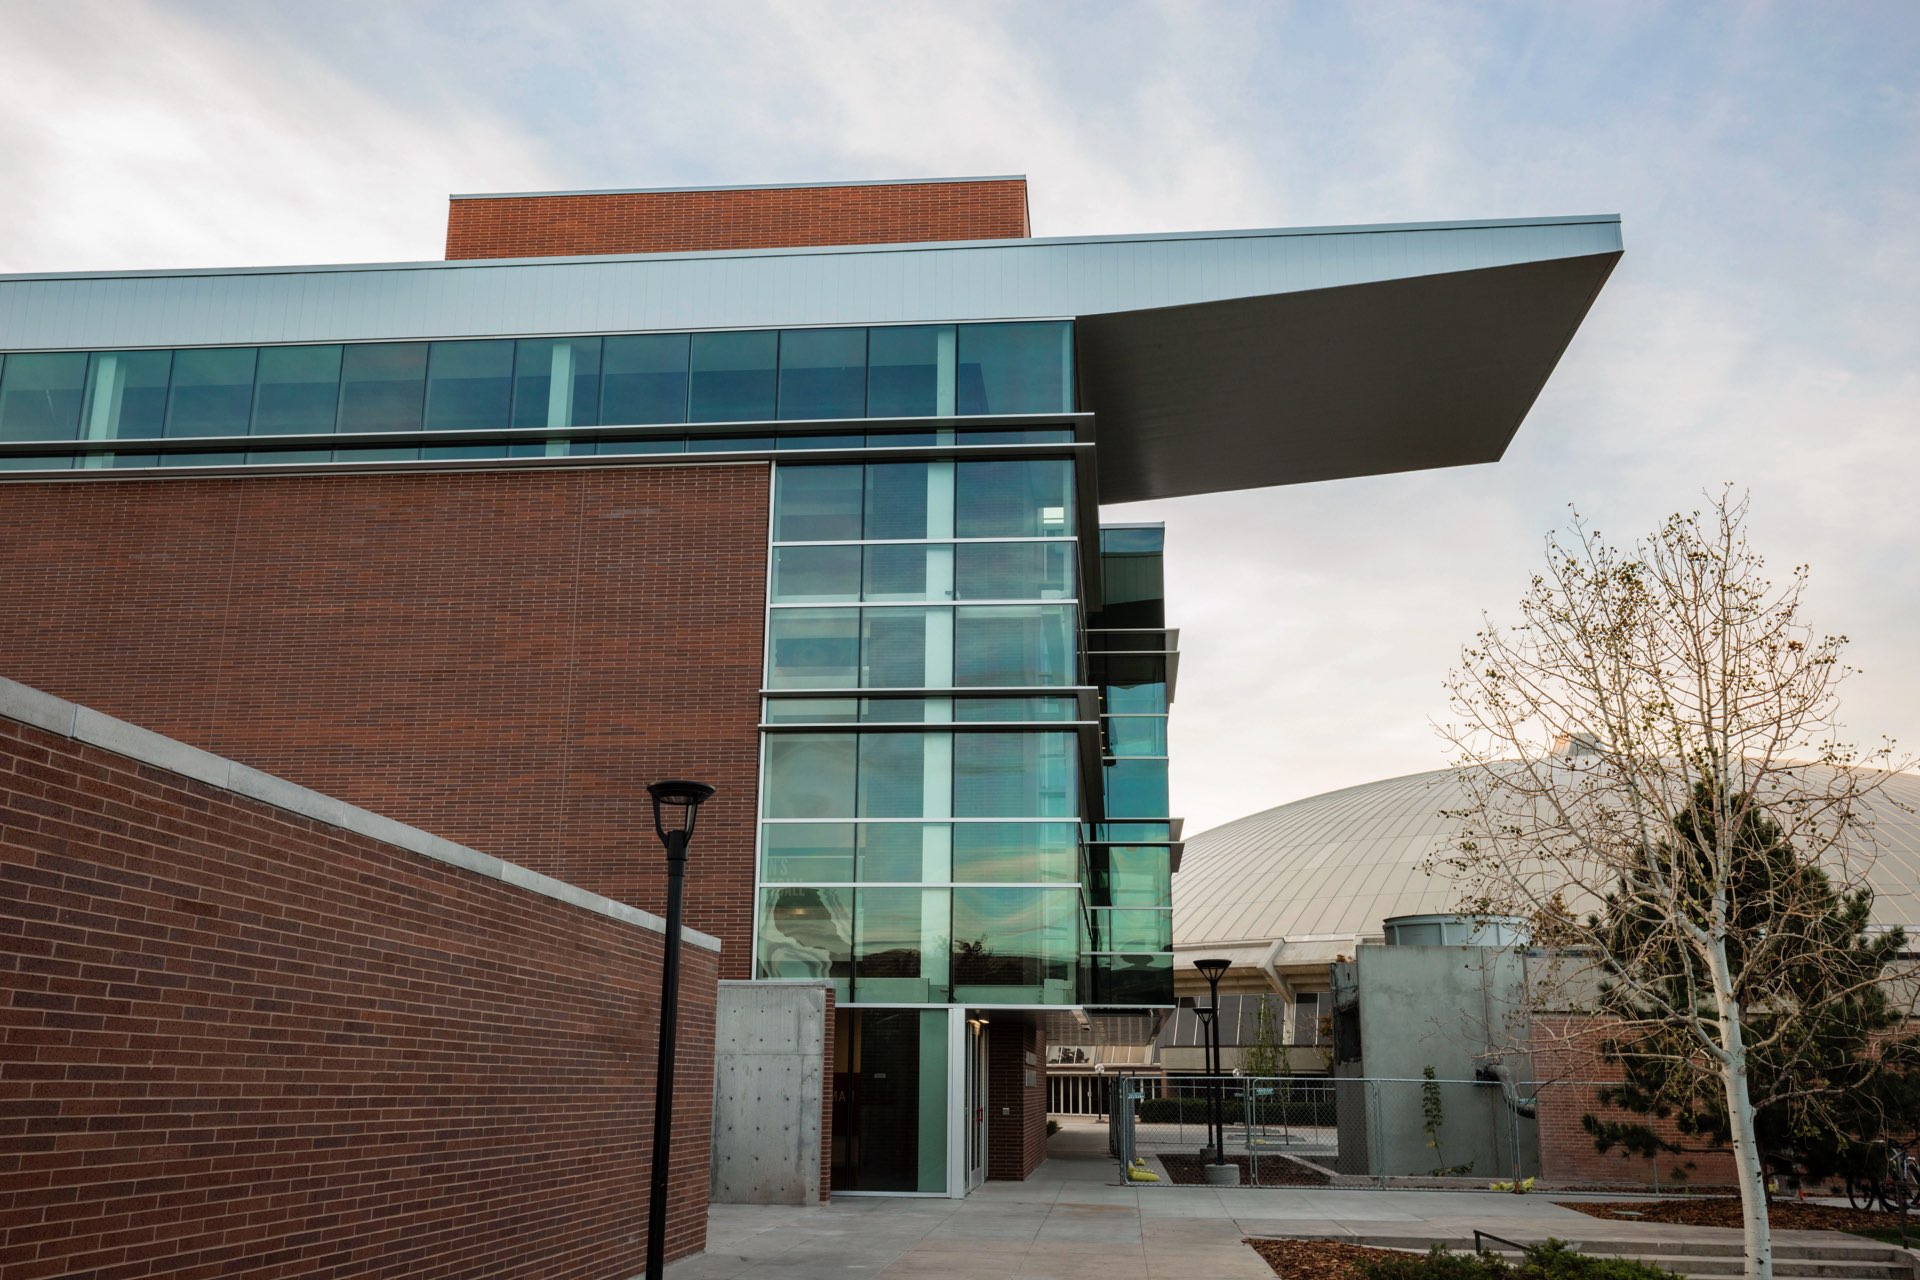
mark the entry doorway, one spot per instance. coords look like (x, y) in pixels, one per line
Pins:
(976, 1118)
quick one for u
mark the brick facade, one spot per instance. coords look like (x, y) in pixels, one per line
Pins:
(1016, 1109)
(502, 658)
(1566, 1049)
(540, 226)
(238, 1040)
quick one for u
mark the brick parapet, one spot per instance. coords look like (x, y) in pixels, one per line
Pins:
(619, 222)
(239, 1038)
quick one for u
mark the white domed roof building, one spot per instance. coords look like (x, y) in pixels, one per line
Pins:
(1284, 892)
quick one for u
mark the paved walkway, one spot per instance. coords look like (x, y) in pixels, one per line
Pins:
(1073, 1220)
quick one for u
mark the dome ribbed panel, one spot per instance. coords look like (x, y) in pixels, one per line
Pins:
(1338, 864)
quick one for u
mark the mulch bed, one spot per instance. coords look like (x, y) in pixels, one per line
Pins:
(1724, 1211)
(1275, 1171)
(1318, 1259)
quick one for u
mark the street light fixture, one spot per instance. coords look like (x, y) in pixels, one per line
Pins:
(679, 800)
(1213, 970)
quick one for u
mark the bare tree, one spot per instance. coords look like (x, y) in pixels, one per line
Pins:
(1639, 685)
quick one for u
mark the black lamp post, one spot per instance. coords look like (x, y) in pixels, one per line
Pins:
(682, 801)
(1213, 971)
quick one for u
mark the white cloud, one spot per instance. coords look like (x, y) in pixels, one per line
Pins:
(133, 137)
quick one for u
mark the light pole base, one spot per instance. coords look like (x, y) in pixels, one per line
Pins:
(1221, 1175)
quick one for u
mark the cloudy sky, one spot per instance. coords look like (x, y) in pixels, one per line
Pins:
(1763, 328)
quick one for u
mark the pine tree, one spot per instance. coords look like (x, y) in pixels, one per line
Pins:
(1829, 1070)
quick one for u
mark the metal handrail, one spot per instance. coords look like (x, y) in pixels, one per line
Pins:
(1478, 1235)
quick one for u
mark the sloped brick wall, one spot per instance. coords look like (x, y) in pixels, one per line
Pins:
(541, 226)
(504, 659)
(236, 1040)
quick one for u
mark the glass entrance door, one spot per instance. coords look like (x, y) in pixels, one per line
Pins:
(976, 1103)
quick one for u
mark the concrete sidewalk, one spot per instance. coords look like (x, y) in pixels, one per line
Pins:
(1073, 1219)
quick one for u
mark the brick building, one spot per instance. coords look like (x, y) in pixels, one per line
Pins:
(796, 490)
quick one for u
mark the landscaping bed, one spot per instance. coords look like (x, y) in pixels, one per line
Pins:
(1317, 1259)
(1724, 1211)
(1338, 1260)
(1275, 1171)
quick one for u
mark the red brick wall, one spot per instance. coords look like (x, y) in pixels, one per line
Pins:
(504, 659)
(1567, 1049)
(1016, 1110)
(768, 218)
(238, 1041)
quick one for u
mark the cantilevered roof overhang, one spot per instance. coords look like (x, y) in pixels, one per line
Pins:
(1213, 360)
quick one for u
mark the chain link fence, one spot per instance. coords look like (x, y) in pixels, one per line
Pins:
(1287, 1131)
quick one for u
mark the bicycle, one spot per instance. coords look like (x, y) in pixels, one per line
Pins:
(1890, 1178)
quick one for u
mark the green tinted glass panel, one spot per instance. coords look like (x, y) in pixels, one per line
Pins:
(810, 775)
(1016, 368)
(556, 382)
(212, 392)
(40, 396)
(1133, 979)
(296, 390)
(126, 395)
(1134, 685)
(1132, 930)
(1016, 852)
(1013, 571)
(909, 571)
(817, 504)
(382, 388)
(811, 710)
(897, 500)
(1010, 646)
(910, 371)
(807, 933)
(1014, 775)
(1137, 735)
(816, 574)
(1025, 498)
(903, 710)
(643, 379)
(978, 709)
(1121, 876)
(644, 445)
(813, 649)
(1015, 946)
(894, 772)
(823, 373)
(900, 944)
(807, 852)
(469, 385)
(1136, 788)
(729, 444)
(904, 648)
(904, 851)
(733, 376)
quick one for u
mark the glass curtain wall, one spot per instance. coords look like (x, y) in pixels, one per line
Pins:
(747, 376)
(1129, 858)
(920, 842)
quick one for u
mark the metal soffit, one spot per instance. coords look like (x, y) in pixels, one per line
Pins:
(1214, 360)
